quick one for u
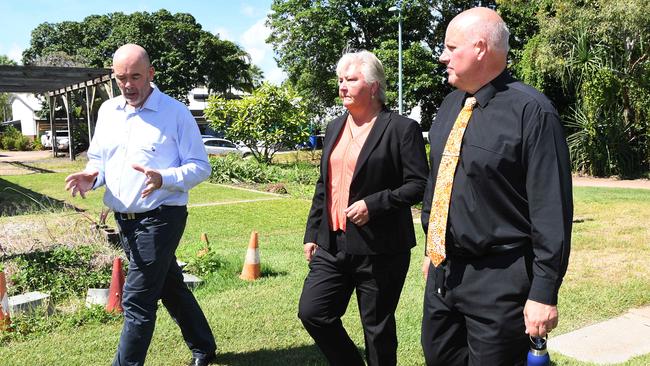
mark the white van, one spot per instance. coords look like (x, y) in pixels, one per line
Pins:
(62, 139)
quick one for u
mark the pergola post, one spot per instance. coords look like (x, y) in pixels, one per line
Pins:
(52, 130)
(90, 99)
(67, 101)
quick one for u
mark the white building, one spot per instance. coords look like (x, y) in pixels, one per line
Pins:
(24, 107)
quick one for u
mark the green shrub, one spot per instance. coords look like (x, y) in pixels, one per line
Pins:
(207, 264)
(21, 143)
(37, 145)
(234, 169)
(62, 272)
(6, 142)
(38, 323)
(300, 172)
(12, 139)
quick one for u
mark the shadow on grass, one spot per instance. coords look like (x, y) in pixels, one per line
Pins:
(302, 355)
(266, 271)
(29, 167)
(17, 200)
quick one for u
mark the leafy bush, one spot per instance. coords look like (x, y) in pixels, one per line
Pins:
(207, 264)
(300, 172)
(6, 142)
(39, 323)
(21, 144)
(234, 169)
(12, 139)
(63, 272)
(37, 145)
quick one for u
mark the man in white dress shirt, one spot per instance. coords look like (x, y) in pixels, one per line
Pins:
(147, 150)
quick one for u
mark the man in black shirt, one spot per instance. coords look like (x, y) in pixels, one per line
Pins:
(509, 220)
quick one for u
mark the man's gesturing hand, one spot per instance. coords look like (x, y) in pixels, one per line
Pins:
(153, 182)
(80, 182)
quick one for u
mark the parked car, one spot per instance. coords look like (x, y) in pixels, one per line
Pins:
(62, 139)
(260, 147)
(217, 146)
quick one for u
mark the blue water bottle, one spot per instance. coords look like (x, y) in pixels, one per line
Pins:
(538, 356)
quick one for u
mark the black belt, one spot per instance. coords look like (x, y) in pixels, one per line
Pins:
(494, 249)
(507, 247)
(123, 216)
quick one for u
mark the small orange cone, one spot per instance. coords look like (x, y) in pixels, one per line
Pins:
(203, 251)
(251, 270)
(115, 290)
(5, 320)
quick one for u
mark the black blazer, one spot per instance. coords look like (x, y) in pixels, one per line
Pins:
(390, 176)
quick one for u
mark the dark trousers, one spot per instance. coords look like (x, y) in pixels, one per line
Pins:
(479, 317)
(378, 280)
(150, 244)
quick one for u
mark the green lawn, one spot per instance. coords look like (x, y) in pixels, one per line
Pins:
(256, 323)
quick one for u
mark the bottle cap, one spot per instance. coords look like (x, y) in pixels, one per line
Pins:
(538, 345)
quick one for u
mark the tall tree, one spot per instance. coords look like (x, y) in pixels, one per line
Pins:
(597, 54)
(309, 36)
(5, 108)
(183, 54)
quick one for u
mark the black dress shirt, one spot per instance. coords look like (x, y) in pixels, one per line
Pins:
(513, 180)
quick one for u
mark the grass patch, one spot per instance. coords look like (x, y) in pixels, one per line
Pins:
(256, 323)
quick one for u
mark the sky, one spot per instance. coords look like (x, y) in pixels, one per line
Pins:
(241, 22)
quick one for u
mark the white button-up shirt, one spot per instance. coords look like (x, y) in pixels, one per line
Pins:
(161, 135)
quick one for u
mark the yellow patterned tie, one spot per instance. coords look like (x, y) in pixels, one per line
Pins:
(444, 182)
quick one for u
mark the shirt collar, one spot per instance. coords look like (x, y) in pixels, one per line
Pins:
(152, 103)
(487, 92)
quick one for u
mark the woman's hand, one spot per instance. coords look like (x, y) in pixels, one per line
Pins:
(309, 249)
(358, 213)
(425, 266)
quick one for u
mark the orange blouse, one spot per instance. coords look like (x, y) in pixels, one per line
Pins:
(341, 165)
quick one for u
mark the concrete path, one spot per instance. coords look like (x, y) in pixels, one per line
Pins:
(612, 341)
(611, 182)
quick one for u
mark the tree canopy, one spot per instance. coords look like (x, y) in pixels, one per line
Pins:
(593, 59)
(309, 36)
(183, 54)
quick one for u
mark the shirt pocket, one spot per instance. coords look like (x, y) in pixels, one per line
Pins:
(489, 160)
(151, 152)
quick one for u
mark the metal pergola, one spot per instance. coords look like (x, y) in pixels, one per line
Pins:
(55, 82)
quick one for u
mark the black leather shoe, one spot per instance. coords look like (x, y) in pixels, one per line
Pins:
(205, 361)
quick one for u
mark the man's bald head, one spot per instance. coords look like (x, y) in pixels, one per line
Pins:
(485, 23)
(131, 51)
(476, 48)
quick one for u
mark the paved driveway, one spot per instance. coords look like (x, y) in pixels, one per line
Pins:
(24, 156)
(9, 157)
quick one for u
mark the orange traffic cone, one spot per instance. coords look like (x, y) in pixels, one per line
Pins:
(203, 251)
(115, 290)
(251, 270)
(5, 320)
